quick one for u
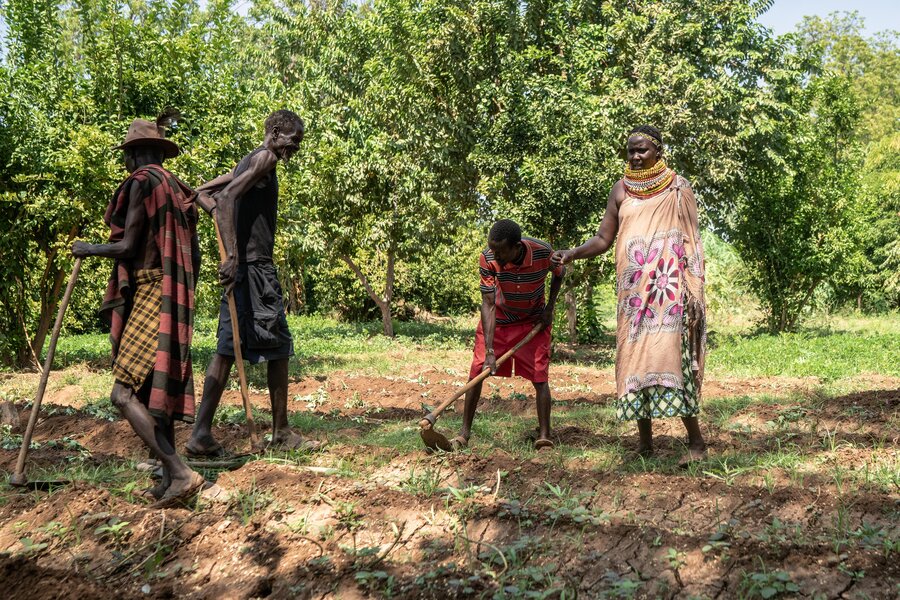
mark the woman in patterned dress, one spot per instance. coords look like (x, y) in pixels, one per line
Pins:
(661, 311)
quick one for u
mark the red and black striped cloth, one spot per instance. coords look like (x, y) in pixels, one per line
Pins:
(519, 288)
(172, 221)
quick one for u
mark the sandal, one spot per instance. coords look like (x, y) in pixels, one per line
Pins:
(297, 442)
(216, 450)
(153, 493)
(541, 443)
(460, 442)
(172, 499)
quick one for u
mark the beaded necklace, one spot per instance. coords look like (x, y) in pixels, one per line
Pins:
(644, 183)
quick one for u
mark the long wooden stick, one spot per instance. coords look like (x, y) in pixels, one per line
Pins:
(236, 342)
(18, 477)
(428, 421)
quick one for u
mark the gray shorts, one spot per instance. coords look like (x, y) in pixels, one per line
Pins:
(263, 327)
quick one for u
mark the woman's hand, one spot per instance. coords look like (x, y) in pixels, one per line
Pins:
(562, 257)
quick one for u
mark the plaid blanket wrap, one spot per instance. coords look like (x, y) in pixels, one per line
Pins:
(172, 223)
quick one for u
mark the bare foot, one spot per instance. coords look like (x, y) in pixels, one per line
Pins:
(693, 454)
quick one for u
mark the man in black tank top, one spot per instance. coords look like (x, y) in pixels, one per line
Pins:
(246, 211)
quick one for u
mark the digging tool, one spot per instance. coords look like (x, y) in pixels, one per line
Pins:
(235, 334)
(435, 440)
(18, 478)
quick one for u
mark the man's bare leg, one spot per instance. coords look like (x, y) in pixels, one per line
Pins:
(282, 434)
(542, 393)
(155, 437)
(471, 405)
(277, 378)
(213, 386)
(168, 430)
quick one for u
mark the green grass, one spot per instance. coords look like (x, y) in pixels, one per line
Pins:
(840, 347)
(321, 345)
(824, 354)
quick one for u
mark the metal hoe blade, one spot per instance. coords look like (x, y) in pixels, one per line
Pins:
(45, 485)
(435, 440)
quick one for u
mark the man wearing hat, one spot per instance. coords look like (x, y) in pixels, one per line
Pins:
(149, 301)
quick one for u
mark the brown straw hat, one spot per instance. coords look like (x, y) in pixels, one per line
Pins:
(148, 133)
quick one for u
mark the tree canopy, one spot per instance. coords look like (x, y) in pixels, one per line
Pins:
(427, 119)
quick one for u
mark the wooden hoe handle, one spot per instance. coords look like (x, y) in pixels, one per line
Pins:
(236, 342)
(428, 420)
(18, 476)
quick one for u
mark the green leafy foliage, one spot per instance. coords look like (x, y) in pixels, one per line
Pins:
(429, 119)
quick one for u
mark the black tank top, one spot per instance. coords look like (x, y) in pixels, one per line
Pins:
(257, 215)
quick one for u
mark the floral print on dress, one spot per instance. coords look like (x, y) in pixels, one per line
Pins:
(696, 263)
(641, 254)
(663, 282)
(641, 317)
(653, 276)
(672, 317)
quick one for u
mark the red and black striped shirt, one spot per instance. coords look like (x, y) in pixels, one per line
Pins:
(520, 288)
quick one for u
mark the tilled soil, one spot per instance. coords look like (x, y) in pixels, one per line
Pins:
(478, 523)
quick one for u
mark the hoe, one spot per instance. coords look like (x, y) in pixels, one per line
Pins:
(435, 440)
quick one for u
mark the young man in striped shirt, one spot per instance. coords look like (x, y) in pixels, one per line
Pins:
(513, 274)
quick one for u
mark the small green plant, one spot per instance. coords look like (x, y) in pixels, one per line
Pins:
(725, 472)
(374, 581)
(568, 507)
(617, 586)
(840, 524)
(425, 482)
(350, 521)
(101, 409)
(766, 584)
(31, 547)
(829, 440)
(785, 417)
(348, 518)
(250, 502)
(516, 510)
(299, 526)
(13, 441)
(114, 530)
(59, 531)
(675, 559)
(315, 400)
(854, 575)
(461, 496)
(355, 401)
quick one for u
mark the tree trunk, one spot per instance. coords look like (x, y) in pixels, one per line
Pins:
(572, 315)
(48, 313)
(388, 296)
(383, 303)
(386, 319)
(50, 299)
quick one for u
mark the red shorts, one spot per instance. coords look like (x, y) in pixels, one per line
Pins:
(532, 360)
